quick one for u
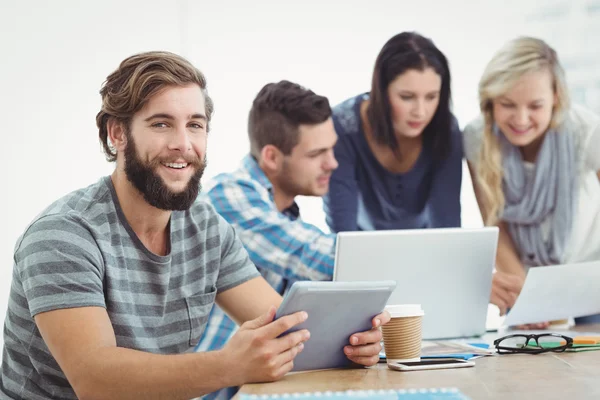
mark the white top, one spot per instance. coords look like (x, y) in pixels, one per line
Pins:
(584, 242)
(405, 310)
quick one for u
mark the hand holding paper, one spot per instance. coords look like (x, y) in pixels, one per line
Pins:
(557, 292)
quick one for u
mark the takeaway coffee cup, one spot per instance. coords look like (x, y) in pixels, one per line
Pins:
(402, 335)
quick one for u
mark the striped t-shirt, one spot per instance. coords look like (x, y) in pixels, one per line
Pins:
(82, 252)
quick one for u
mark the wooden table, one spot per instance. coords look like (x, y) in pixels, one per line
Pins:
(517, 376)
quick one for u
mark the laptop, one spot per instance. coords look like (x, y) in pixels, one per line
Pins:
(448, 271)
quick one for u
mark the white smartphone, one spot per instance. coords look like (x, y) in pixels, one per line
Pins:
(431, 363)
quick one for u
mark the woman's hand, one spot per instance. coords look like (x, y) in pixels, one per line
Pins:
(505, 290)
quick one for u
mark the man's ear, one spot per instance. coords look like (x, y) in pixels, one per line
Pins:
(271, 158)
(116, 134)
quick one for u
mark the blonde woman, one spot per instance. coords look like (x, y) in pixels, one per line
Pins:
(535, 163)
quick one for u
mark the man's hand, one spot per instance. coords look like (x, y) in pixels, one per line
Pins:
(256, 353)
(365, 346)
(505, 290)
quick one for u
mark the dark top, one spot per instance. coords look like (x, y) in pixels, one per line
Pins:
(363, 195)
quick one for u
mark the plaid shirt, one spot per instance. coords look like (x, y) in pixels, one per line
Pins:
(283, 247)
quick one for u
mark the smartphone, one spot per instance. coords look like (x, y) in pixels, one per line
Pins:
(431, 363)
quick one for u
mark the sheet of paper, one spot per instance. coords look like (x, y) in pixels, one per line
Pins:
(440, 347)
(557, 292)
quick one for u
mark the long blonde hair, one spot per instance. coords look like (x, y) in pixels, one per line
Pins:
(515, 59)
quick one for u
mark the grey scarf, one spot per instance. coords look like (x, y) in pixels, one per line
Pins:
(551, 190)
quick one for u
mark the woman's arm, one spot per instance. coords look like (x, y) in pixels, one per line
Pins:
(510, 274)
(447, 180)
(341, 202)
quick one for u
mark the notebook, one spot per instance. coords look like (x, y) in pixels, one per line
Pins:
(455, 349)
(408, 394)
(575, 347)
(450, 349)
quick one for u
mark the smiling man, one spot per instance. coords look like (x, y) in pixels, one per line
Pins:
(291, 136)
(113, 283)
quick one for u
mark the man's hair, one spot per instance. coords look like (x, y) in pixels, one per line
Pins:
(138, 78)
(277, 112)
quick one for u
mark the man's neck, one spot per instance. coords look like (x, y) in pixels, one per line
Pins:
(282, 200)
(149, 223)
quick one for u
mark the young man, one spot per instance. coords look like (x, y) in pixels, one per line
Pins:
(291, 137)
(112, 283)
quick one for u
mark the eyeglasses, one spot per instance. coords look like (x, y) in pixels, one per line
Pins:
(532, 344)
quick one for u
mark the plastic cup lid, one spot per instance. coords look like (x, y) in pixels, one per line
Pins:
(405, 310)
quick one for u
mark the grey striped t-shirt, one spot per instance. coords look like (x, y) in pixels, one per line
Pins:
(82, 252)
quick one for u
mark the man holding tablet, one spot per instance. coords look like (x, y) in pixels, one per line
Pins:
(291, 137)
(113, 283)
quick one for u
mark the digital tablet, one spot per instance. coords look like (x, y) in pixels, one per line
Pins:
(336, 310)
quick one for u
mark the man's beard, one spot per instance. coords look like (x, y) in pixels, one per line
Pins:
(288, 185)
(152, 187)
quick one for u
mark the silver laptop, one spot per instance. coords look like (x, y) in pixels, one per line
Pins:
(448, 271)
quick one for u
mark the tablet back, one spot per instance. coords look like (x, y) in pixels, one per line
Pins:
(335, 310)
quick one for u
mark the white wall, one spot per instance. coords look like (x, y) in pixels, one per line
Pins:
(55, 55)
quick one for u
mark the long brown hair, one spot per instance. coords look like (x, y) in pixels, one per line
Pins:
(403, 52)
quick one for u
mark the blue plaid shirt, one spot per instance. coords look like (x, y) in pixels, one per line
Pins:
(283, 247)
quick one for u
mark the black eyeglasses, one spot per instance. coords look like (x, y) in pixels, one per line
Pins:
(532, 344)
